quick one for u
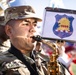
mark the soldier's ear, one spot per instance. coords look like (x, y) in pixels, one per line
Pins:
(8, 30)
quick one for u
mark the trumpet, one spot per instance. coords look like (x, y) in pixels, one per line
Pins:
(52, 66)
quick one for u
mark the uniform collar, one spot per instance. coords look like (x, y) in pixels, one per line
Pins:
(19, 55)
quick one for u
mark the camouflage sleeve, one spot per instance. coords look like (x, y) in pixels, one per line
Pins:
(10, 65)
(3, 69)
(9, 68)
(15, 67)
(4, 66)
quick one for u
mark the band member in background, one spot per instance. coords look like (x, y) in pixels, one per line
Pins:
(4, 40)
(64, 58)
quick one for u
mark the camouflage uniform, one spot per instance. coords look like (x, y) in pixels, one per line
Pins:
(10, 65)
(13, 62)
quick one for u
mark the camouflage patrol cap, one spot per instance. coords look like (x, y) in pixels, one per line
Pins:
(20, 12)
(2, 20)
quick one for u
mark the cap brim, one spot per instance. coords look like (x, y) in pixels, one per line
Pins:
(31, 15)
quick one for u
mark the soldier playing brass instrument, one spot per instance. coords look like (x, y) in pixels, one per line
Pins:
(20, 25)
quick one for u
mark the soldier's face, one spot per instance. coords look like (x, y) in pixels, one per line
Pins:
(21, 32)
